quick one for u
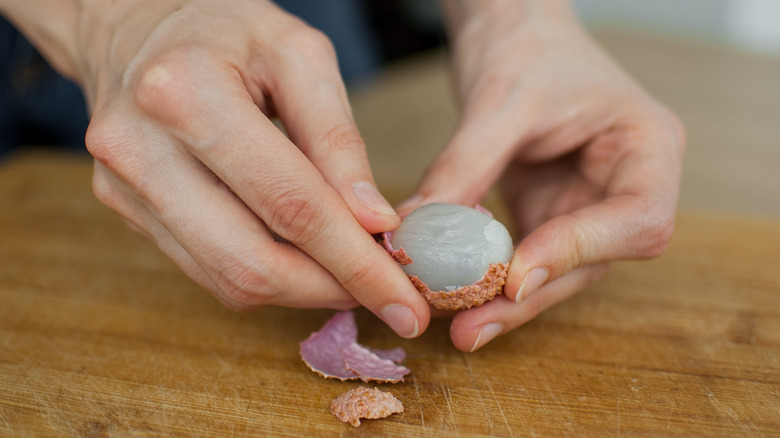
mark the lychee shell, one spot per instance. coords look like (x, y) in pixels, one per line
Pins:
(485, 289)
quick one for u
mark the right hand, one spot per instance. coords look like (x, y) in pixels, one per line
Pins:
(181, 93)
(590, 162)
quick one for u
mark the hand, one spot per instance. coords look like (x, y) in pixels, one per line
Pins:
(181, 93)
(591, 164)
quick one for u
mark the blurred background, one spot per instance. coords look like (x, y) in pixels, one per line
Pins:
(716, 63)
(749, 25)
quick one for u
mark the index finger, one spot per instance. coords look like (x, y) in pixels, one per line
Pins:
(224, 129)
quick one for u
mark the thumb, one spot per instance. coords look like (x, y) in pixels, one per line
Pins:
(618, 228)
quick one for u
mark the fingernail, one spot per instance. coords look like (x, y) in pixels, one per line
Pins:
(410, 203)
(533, 280)
(486, 334)
(369, 196)
(401, 319)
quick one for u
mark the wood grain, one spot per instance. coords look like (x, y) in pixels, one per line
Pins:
(100, 334)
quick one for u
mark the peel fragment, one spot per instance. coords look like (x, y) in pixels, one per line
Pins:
(362, 402)
(370, 367)
(473, 295)
(333, 352)
(397, 355)
(321, 351)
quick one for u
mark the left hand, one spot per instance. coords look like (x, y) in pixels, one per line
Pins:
(182, 94)
(591, 164)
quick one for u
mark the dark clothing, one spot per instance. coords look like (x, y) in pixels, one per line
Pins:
(40, 107)
(37, 105)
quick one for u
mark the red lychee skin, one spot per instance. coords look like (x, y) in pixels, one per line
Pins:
(485, 289)
(362, 402)
(473, 295)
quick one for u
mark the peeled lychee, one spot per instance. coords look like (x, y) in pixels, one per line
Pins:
(456, 256)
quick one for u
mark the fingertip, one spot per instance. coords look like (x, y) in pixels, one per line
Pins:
(422, 311)
(462, 337)
(532, 280)
(368, 196)
(409, 205)
(486, 333)
(404, 321)
(375, 223)
(470, 334)
(371, 209)
(545, 254)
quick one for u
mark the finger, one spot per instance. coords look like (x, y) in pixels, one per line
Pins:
(310, 98)
(472, 329)
(228, 133)
(115, 194)
(470, 164)
(206, 229)
(634, 221)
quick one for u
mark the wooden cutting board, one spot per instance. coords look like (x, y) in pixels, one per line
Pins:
(101, 334)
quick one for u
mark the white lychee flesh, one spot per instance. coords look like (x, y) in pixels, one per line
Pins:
(451, 246)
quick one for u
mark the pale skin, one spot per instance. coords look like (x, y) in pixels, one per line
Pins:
(182, 94)
(589, 162)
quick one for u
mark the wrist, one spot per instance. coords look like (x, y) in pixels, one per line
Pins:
(51, 26)
(488, 35)
(76, 36)
(469, 18)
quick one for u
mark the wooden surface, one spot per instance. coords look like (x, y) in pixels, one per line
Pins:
(101, 335)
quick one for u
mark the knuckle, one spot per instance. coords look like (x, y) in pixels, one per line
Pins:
(344, 137)
(578, 250)
(122, 161)
(300, 47)
(312, 44)
(169, 88)
(176, 91)
(656, 234)
(156, 87)
(244, 284)
(114, 141)
(578, 243)
(160, 90)
(363, 275)
(104, 141)
(293, 214)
